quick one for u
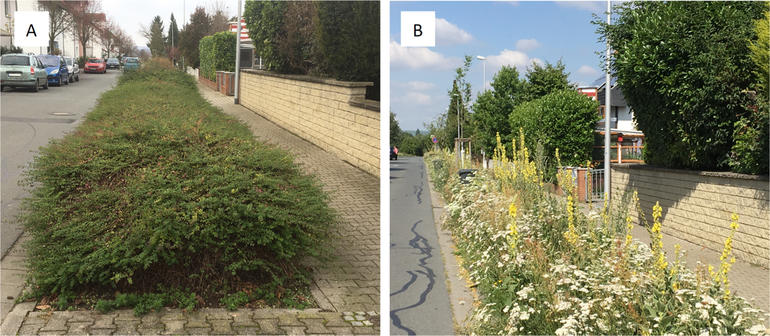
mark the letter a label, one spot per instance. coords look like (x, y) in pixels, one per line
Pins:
(418, 29)
(30, 29)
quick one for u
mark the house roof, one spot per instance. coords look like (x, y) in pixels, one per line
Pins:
(616, 99)
(600, 82)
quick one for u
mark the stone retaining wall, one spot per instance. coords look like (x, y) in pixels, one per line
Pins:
(331, 114)
(697, 206)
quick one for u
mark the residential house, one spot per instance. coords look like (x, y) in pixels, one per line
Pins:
(6, 22)
(621, 115)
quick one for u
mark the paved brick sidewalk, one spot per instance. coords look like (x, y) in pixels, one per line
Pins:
(352, 282)
(205, 322)
(348, 289)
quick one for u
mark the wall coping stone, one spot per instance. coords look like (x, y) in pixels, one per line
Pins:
(368, 104)
(692, 172)
(312, 79)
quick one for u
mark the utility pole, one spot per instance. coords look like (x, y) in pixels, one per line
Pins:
(238, 55)
(607, 124)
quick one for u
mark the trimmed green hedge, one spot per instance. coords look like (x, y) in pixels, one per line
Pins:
(686, 69)
(562, 119)
(217, 53)
(347, 33)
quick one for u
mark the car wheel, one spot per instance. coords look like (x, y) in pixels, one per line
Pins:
(67, 80)
(36, 87)
(77, 77)
(45, 86)
(71, 78)
(60, 81)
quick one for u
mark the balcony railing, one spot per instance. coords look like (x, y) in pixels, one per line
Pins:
(620, 154)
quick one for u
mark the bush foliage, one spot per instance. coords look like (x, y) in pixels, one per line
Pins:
(217, 53)
(340, 39)
(686, 69)
(349, 36)
(156, 186)
(563, 120)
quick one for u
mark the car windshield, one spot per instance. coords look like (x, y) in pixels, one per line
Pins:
(68, 61)
(94, 60)
(49, 61)
(113, 60)
(132, 60)
(15, 60)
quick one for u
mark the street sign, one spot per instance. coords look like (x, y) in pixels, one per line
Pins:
(435, 140)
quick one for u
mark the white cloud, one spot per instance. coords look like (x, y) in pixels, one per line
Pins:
(511, 58)
(513, 3)
(588, 70)
(449, 34)
(402, 58)
(597, 7)
(414, 85)
(527, 45)
(414, 98)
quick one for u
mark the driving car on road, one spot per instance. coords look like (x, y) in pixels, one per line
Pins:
(131, 63)
(95, 65)
(20, 70)
(74, 69)
(56, 68)
(113, 63)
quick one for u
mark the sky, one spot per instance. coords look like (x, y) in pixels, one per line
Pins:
(514, 33)
(129, 14)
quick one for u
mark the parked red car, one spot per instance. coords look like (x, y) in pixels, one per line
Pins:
(95, 65)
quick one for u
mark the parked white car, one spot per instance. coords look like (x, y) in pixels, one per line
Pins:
(74, 69)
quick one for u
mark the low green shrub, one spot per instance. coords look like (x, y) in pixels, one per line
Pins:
(157, 186)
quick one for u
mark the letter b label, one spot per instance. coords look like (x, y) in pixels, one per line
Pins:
(418, 29)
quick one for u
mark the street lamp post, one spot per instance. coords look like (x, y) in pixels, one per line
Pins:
(484, 83)
(607, 106)
(238, 58)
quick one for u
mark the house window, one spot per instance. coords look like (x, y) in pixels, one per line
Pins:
(7, 8)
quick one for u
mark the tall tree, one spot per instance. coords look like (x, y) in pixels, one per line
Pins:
(86, 15)
(58, 19)
(460, 96)
(191, 35)
(395, 130)
(106, 36)
(123, 42)
(156, 37)
(492, 108)
(542, 80)
(219, 13)
(172, 39)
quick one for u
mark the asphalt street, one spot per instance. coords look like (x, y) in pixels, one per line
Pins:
(419, 300)
(27, 121)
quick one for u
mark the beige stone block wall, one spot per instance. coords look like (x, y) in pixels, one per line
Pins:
(697, 206)
(331, 114)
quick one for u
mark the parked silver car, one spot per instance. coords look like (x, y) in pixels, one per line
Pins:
(22, 70)
(74, 69)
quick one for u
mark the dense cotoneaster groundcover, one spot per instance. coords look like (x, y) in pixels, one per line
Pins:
(159, 190)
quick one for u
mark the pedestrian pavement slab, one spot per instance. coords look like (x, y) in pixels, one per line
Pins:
(355, 194)
(209, 321)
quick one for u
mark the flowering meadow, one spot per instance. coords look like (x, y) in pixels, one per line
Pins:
(541, 267)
